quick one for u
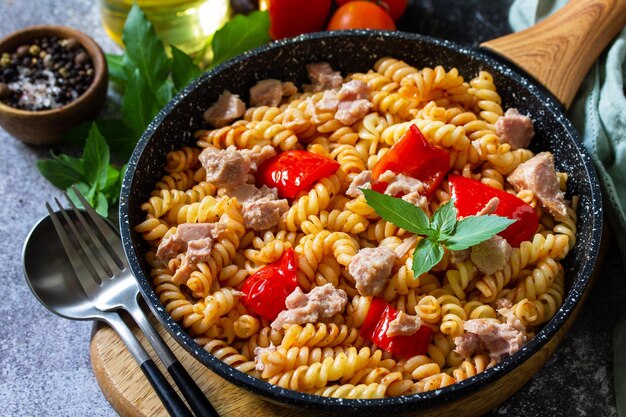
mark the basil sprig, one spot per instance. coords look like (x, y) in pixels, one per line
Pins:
(149, 79)
(442, 230)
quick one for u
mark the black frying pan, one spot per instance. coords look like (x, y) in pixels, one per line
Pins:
(357, 51)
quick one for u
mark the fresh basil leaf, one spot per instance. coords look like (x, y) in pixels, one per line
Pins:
(101, 204)
(139, 105)
(399, 212)
(427, 254)
(473, 230)
(69, 162)
(115, 64)
(183, 68)
(165, 93)
(113, 176)
(144, 50)
(87, 192)
(240, 34)
(96, 157)
(58, 174)
(444, 218)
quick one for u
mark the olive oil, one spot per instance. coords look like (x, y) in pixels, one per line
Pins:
(188, 24)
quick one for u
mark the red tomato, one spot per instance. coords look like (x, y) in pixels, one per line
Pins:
(265, 292)
(361, 15)
(395, 8)
(375, 328)
(412, 155)
(293, 17)
(291, 172)
(471, 196)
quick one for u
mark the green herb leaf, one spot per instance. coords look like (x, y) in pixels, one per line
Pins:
(444, 219)
(96, 159)
(87, 192)
(473, 230)
(101, 204)
(427, 254)
(165, 93)
(59, 174)
(139, 105)
(399, 212)
(240, 34)
(144, 50)
(183, 68)
(115, 64)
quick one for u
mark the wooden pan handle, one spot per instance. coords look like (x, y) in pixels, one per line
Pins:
(560, 50)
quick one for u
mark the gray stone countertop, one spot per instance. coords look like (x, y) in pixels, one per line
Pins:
(44, 359)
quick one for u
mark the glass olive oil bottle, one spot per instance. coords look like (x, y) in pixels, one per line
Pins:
(188, 24)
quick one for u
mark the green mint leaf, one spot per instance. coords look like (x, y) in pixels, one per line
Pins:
(240, 34)
(473, 230)
(144, 50)
(183, 68)
(96, 157)
(59, 174)
(399, 212)
(139, 105)
(427, 254)
(115, 64)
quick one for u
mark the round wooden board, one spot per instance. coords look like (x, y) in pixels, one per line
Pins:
(131, 395)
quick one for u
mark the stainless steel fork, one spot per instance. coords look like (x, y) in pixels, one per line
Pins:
(112, 286)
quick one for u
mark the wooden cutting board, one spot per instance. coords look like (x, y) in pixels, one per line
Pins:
(131, 395)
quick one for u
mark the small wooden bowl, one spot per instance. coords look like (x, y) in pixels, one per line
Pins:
(48, 126)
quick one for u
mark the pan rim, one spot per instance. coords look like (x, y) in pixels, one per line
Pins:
(402, 403)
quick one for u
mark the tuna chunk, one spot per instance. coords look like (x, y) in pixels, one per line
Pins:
(404, 325)
(418, 200)
(183, 272)
(186, 233)
(400, 183)
(362, 180)
(289, 89)
(321, 303)
(226, 109)
(225, 167)
(459, 256)
(491, 255)
(371, 268)
(323, 77)
(260, 353)
(505, 309)
(266, 93)
(257, 155)
(199, 250)
(260, 207)
(489, 335)
(329, 101)
(539, 176)
(515, 129)
(353, 104)
(490, 207)
(405, 247)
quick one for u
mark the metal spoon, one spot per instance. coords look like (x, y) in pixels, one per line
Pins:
(52, 280)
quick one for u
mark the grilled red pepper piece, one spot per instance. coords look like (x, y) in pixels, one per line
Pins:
(266, 290)
(291, 172)
(412, 155)
(375, 327)
(471, 196)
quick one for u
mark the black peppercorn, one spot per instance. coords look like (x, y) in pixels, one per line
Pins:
(44, 74)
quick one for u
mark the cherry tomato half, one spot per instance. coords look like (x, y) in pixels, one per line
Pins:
(293, 17)
(361, 15)
(395, 8)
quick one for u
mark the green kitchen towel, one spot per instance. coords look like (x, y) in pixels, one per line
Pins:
(599, 115)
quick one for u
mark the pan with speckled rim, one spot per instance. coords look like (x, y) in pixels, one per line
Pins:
(545, 66)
